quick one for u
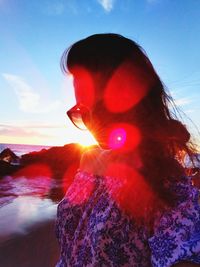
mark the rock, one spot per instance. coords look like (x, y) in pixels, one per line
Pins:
(58, 163)
(9, 156)
(58, 159)
(7, 168)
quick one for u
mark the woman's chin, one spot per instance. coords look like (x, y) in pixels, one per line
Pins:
(108, 146)
(104, 145)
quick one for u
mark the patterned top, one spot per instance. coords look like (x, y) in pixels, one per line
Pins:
(93, 231)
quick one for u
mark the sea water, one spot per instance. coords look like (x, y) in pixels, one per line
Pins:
(20, 149)
(27, 214)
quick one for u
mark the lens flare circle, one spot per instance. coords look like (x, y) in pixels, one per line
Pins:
(117, 138)
(124, 136)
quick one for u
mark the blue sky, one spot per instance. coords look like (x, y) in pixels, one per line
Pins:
(33, 35)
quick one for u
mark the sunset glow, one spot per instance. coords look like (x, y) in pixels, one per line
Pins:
(35, 94)
(55, 137)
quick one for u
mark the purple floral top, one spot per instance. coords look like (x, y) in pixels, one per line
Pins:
(93, 231)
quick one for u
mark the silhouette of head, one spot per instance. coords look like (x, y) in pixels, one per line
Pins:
(122, 101)
(115, 81)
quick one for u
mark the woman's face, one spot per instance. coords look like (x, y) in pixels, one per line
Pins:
(110, 127)
(87, 95)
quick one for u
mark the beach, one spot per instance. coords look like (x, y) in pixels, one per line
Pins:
(27, 218)
(27, 233)
(35, 248)
(28, 202)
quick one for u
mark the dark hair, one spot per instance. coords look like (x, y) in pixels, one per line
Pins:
(163, 135)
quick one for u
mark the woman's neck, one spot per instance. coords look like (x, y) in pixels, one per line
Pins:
(108, 162)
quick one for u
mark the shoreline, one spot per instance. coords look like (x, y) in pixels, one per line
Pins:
(27, 233)
(37, 248)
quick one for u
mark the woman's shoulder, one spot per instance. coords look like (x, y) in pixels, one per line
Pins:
(176, 231)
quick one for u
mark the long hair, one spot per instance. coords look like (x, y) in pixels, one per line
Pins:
(164, 137)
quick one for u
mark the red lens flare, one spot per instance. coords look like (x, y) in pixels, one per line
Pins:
(34, 173)
(129, 189)
(68, 176)
(126, 88)
(124, 136)
(34, 170)
(84, 86)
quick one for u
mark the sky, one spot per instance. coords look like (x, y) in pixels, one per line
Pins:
(34, 93)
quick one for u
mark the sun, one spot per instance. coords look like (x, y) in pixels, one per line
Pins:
(71, 134)
(86, 139)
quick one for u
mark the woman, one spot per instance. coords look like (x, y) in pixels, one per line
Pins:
(130, 203)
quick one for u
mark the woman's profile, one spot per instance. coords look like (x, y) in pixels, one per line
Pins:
(130, 203)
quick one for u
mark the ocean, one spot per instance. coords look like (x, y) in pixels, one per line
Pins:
(20, 149)
(28, 208)
(40, 187)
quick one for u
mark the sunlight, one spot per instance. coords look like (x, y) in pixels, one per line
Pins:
(71, 134)
(57, 136)
(86, 139)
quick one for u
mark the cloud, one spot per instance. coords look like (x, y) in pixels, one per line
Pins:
(27, 98)
(107, 4)
(45, 126)
(182, 101)
(189, 111)
(29, 101)
(179, 100)
(16, 131)
(31, 125)
(58, 7)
